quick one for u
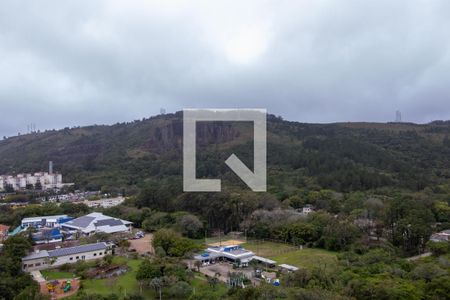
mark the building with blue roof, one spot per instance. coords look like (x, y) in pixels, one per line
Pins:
(47, 235)
(230, 253)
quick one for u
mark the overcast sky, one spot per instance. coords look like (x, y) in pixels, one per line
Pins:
(66, 63)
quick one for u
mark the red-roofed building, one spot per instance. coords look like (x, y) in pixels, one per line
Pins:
(3, 232)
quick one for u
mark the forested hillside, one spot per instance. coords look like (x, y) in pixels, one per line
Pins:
(343, 157)
(379, 191)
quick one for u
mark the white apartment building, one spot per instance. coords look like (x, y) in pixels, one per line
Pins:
(104, 203)
(20, 181)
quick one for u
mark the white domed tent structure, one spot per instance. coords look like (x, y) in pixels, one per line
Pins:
(98, 222)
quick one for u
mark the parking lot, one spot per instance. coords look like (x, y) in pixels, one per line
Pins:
(144, 245)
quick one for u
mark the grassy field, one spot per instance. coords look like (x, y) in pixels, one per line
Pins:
(201, 287)
(268, 249)
(307, 258)
(127, 284)
(286, 254)
(52, 274)
(122, 285)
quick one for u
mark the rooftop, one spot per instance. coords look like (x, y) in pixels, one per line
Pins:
(81, 221)
(66, 251)
(47, 233)
(77, 249)
(288, 267)
(36, 255)
(29, 219)
(4, 227)
(98, 221)
(233, 252)
(207, 256)
(264, 260)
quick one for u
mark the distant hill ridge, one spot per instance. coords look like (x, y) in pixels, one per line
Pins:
(340, 156)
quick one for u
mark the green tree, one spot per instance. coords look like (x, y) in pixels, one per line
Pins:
(156, 221)
(157, 284)
(339, 235)
(16, 246)
(438, 248)
(147, 271)
(438, 288)
(180, 290)
(38, 186)
(165, 238)
(12, 279)
(428, 272)
(191, 226)
(172, 242)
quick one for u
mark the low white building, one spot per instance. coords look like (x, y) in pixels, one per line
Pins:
(230, 253)
(104, 203)
(45, 259)
(97, 222)
(288, 268)
(307, 209)
(443, 236)
(45, 221)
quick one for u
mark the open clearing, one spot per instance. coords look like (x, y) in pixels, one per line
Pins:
(268, 249)
(308, 258)
(144, 245)
(287, 254)
(121, 285)
(127, 284)
(52, 275)
(227, 243)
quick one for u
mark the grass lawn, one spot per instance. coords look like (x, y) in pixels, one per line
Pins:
(125, 284)
(308, 258)
(201, 287)
(268, 249)
(52, 274)
(128, 284)
(286, 254)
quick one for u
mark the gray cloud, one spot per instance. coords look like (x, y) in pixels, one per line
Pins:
(74, 63)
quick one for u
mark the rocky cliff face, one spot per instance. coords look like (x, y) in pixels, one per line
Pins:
(169, 137)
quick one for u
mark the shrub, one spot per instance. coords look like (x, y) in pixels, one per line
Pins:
(180, 289)
(65, 267)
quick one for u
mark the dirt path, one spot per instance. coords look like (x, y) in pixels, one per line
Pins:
(426, 254)
(37, 276)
